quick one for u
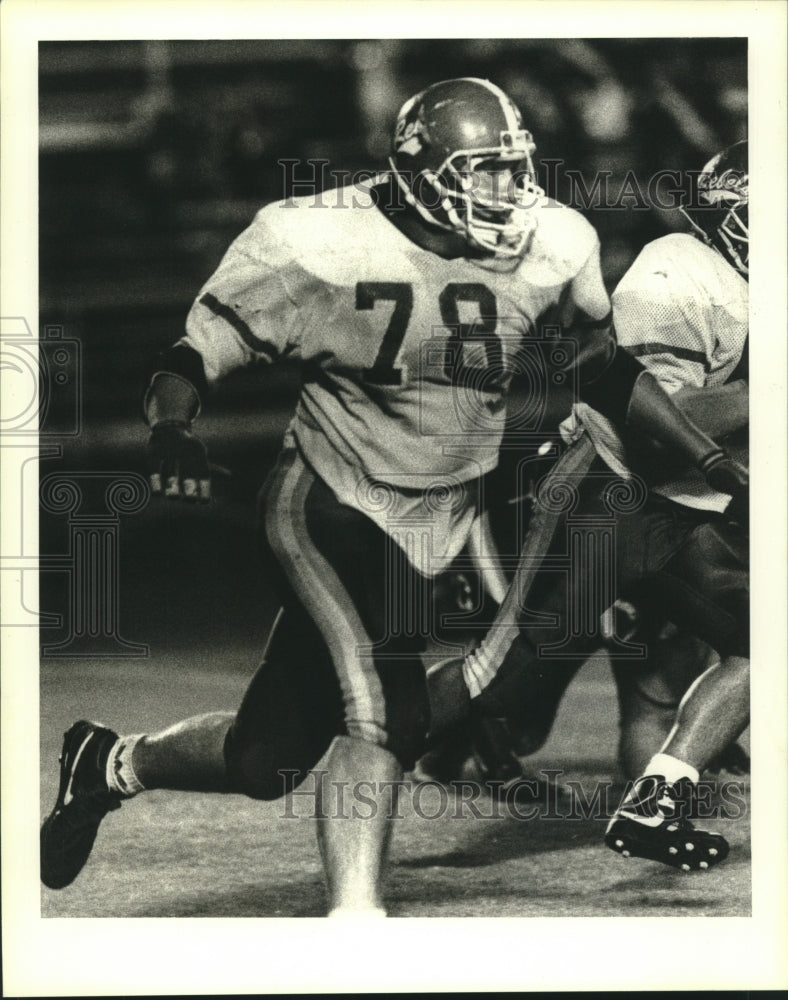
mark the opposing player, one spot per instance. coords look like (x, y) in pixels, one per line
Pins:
(678, 553)
(684, 308)
(405, 300)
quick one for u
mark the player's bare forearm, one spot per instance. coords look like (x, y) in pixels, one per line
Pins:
(718, 410)
(652, 413)
(618, 386)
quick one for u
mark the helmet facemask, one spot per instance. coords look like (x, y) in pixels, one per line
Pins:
(455, 196)
(735, 235)
(722, 217)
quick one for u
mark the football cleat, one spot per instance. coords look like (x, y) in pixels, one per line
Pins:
(651, 823)
(83, 800)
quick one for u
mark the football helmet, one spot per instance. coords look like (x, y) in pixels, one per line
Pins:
(719, 213)
(463, 160)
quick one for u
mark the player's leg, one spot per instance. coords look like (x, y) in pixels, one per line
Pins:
(276, 727)
(348, 575)
(187, 756)
(649, 693)
(703, 587)
(319, 682)
(507, 689)
(714, 711)
(191, 756)
(353, 840)
(292, 701)
(100, 769)
(503, 691)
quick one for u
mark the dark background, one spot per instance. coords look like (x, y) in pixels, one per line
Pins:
(154, 155)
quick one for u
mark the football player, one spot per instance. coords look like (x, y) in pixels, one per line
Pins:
(683, 308)
(680, 553)
(405, 300)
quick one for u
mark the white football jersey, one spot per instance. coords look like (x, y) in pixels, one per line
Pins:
(405, 353)
(683, 311)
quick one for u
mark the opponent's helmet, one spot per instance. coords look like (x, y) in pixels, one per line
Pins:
(719, 214)
(449, 140)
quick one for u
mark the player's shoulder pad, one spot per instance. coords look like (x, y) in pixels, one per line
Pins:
(683, 266)
(267, 239)
(672, 250)
(563, 240)
(314, 230)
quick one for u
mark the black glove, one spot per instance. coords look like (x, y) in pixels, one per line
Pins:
(726, 475)
(178, 462)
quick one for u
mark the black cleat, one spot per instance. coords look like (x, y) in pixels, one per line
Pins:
(83, 800)
(650, 823)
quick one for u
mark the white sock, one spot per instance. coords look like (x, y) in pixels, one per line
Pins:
(120, 774)
(477, 671)
(349, 913)
(671, 768)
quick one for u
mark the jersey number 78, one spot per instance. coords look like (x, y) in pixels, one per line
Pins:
(483, 330)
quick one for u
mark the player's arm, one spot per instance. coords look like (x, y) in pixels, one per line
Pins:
(616, 384)
(718, 410)
(665, 322)
(671, 329)
(177, 459)
(484, 552)
(243, 316)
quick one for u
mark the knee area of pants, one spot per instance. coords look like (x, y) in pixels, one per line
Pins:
(247, 776)
(407, 744)
(264, 787)
(264, 791)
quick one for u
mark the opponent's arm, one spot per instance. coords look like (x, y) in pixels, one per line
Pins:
(484, 552)
(718, 410)
(618, 386)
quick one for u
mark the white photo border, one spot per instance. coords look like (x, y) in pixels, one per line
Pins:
(63, 957)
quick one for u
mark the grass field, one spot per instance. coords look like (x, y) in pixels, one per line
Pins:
(169, 854)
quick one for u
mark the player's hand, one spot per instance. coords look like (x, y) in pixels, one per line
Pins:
(178, 463)
(726, 475)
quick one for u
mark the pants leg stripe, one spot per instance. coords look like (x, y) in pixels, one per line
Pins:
(320, 591)
(481, 666)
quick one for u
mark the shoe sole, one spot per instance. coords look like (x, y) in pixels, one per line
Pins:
(686, 850)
